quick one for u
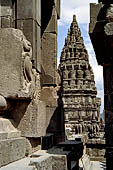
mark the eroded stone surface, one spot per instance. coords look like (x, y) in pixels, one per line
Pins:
(18, 80)
(49, 161)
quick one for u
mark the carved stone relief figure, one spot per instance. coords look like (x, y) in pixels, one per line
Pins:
(27, 68)
(63, 55)
(77, 56)
(89, 100)
(72, 38)
(80, 74)
(70, 115)
(68, 37)
(94, 129)
(82, 100)
(72, 99)
(72, 83)
(86, 84)
(66, 117)
(94, 101)
(65, 74)
(79, 127)
(68, 54)
(87, 75)
(78, 39)
(72, 53)
(75, 100)
(80, 83)
(92, 76)
(65, 84)
(73, 73)
(93, 86)
(82, 55)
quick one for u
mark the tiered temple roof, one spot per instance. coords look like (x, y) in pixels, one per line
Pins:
(79, 90)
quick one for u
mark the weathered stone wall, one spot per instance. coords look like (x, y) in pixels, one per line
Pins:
(28, 44)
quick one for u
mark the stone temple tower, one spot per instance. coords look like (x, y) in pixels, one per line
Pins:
(79, 92)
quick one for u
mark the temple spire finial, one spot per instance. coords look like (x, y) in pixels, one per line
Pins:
(74, 18)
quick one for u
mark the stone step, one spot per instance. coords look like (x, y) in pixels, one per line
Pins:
(19, 168)
(22, 164)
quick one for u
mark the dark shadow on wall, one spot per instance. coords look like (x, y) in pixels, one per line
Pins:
(46, 13)
(102, 13)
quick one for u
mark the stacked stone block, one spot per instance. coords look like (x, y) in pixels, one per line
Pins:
(28, 44)
(26, 16)
(49, 41)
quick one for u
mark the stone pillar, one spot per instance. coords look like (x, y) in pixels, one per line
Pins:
(28, 19)
(7, 13)
(108, 107)
(108, 104)
(101, 34)
(49, 42)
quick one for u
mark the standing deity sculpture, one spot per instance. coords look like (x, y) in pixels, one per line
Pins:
(63, 55)
(72, 53)
(94, 129)
(68, 54)
(65, 84)
(87, 75)
(65, 74)
(80, 73)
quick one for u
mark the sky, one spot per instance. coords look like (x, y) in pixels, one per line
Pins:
(81, 8)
